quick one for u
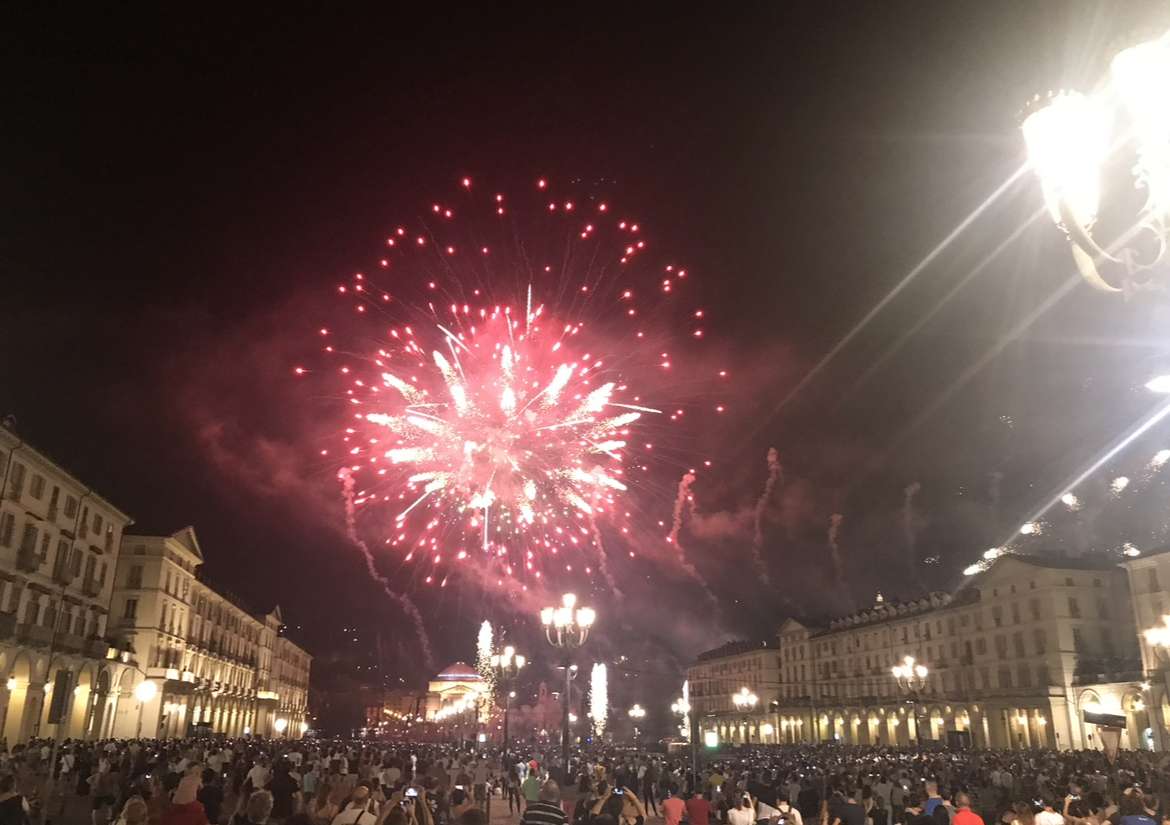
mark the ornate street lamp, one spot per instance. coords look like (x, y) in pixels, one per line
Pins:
(746, 701)
(912, 679)
(507, 666)
(637, 713)
(566, 628)
(1069, 137)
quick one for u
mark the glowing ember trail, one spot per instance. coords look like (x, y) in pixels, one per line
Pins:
(484, 424)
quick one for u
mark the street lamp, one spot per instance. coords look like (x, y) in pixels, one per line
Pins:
(144, 692)
(507, 667)
(746, 701)
(637, 713)
(912, 679)
(566, 628)
(1069, 138)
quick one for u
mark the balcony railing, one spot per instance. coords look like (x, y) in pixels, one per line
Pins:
(34, 634)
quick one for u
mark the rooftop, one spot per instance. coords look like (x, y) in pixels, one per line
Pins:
(736, 648)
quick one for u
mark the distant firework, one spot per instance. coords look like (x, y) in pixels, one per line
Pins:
(506, 377)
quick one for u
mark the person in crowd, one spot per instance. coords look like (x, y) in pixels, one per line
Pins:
(286, 791)
(211, 795)
(256, 811)
(673, 808)
(546, 809)
(185, 807)
(742, 811)
(530, 788)
(321, 809)
(698, 809)
(14, 810)
(963, 813)
(357, 812)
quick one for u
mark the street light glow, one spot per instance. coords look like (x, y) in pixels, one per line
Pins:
(1068, 143)
(145, 690)
(1139, 75)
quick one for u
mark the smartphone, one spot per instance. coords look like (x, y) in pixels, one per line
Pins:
(619, 791)
(458, 787)
(412, 792)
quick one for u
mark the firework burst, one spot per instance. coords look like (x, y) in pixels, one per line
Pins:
(498, 383)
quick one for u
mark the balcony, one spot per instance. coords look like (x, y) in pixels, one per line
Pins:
(70, 643)
(7, 625)
(91, 587)
(16, 492)
(63, 574)
(96, 648)
(34, 634)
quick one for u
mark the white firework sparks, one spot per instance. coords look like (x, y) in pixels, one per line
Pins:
(599, 698)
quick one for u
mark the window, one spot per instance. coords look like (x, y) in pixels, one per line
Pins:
(1005, 677)
(1041, 642)
(131, 609)
(28, 541)
(1078, 640)
(7, 526)
(1074, 608)
(140, 549)
(1034, 608)
(1015, 613)
(84, 522)
(70, 507)
(1018, 644)
(90, 564)
(17, 479)
(1102, 609)
(1024, 675)
(61, 562)
(1042, 675)
(97, 523)
(981, 645)
(1152, 577)
(1068, 581)
(1001, 647)
(134, 579)
(36, 488)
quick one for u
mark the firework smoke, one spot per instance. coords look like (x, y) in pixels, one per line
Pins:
(602, 561)
(775, 475)
(834, 545)
(402, 599)
(684, 504)
(910, 527)
(599, 698)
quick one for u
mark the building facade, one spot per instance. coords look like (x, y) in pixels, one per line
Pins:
(1014, 659)
(122, 626)
(218, 667)
(59, 543)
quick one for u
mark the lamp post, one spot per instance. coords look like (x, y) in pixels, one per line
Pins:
(566, 628)
(912, 678)
(507, 666)
(1070, 136)
(746, 702)
(144, 692)
(637, 713)
(682, 707)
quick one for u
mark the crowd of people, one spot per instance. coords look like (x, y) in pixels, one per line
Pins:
(316, 782)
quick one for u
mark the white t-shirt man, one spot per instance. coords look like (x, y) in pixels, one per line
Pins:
(741, 816)
(259, 776)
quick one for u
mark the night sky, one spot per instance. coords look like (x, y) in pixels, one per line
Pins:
(184, 193)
